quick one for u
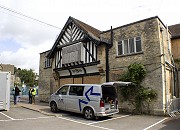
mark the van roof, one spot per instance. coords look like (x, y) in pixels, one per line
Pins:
(120, 83)
(83, 84)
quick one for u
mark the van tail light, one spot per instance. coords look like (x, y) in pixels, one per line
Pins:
(101, 103)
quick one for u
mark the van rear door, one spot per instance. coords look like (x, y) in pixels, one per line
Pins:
(109, 94)
(109, 97)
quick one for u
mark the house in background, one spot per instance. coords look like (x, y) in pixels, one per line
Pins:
(83, 54)
(175, 41)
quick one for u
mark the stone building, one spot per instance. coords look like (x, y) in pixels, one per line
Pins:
(83, 54)
(175, 41)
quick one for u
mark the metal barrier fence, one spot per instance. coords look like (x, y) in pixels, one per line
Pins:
(174, 107)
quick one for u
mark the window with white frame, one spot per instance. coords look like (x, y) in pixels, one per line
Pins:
(47, 62)
(129, 46)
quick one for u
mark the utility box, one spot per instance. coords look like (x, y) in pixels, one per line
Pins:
(5, 90)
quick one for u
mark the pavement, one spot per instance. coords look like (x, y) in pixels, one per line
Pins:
(42, 107)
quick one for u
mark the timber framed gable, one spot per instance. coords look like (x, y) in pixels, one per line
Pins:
(75, 50)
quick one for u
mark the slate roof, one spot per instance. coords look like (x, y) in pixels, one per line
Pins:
(93, 32)
(175, 30)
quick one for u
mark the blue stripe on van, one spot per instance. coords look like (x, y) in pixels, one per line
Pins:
(81, 101)
(91, 93)
(87, 97)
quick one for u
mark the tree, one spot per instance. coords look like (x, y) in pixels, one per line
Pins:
(26, 76)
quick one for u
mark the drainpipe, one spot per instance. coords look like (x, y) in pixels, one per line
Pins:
(164, 77)
(107, 63)
(107, 56)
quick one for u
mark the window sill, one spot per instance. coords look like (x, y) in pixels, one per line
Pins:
(131, 54)
(48, 67)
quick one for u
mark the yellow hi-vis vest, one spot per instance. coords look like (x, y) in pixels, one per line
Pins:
(33, 92)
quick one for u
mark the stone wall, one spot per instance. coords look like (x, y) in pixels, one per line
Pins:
(150, 56)
(46, 80)
(101, 56)
(175, 48)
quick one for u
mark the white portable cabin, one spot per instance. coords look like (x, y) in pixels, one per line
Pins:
(5, 90)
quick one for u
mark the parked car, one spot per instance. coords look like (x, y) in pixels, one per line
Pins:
(91, 100)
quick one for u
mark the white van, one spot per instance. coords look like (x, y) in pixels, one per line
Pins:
(92, 100)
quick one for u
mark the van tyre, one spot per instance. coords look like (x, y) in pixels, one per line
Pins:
(88, 113)
(54, 107)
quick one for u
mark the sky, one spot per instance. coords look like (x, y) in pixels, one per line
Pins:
(22, 39)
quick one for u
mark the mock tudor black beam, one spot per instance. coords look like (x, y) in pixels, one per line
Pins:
(90, 55)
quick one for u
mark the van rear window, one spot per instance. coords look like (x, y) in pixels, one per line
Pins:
(109, 93)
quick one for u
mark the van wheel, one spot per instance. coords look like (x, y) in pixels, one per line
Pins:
(89, 113)
(53, 107)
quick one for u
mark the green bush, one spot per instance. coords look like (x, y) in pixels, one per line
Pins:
(137, 95)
